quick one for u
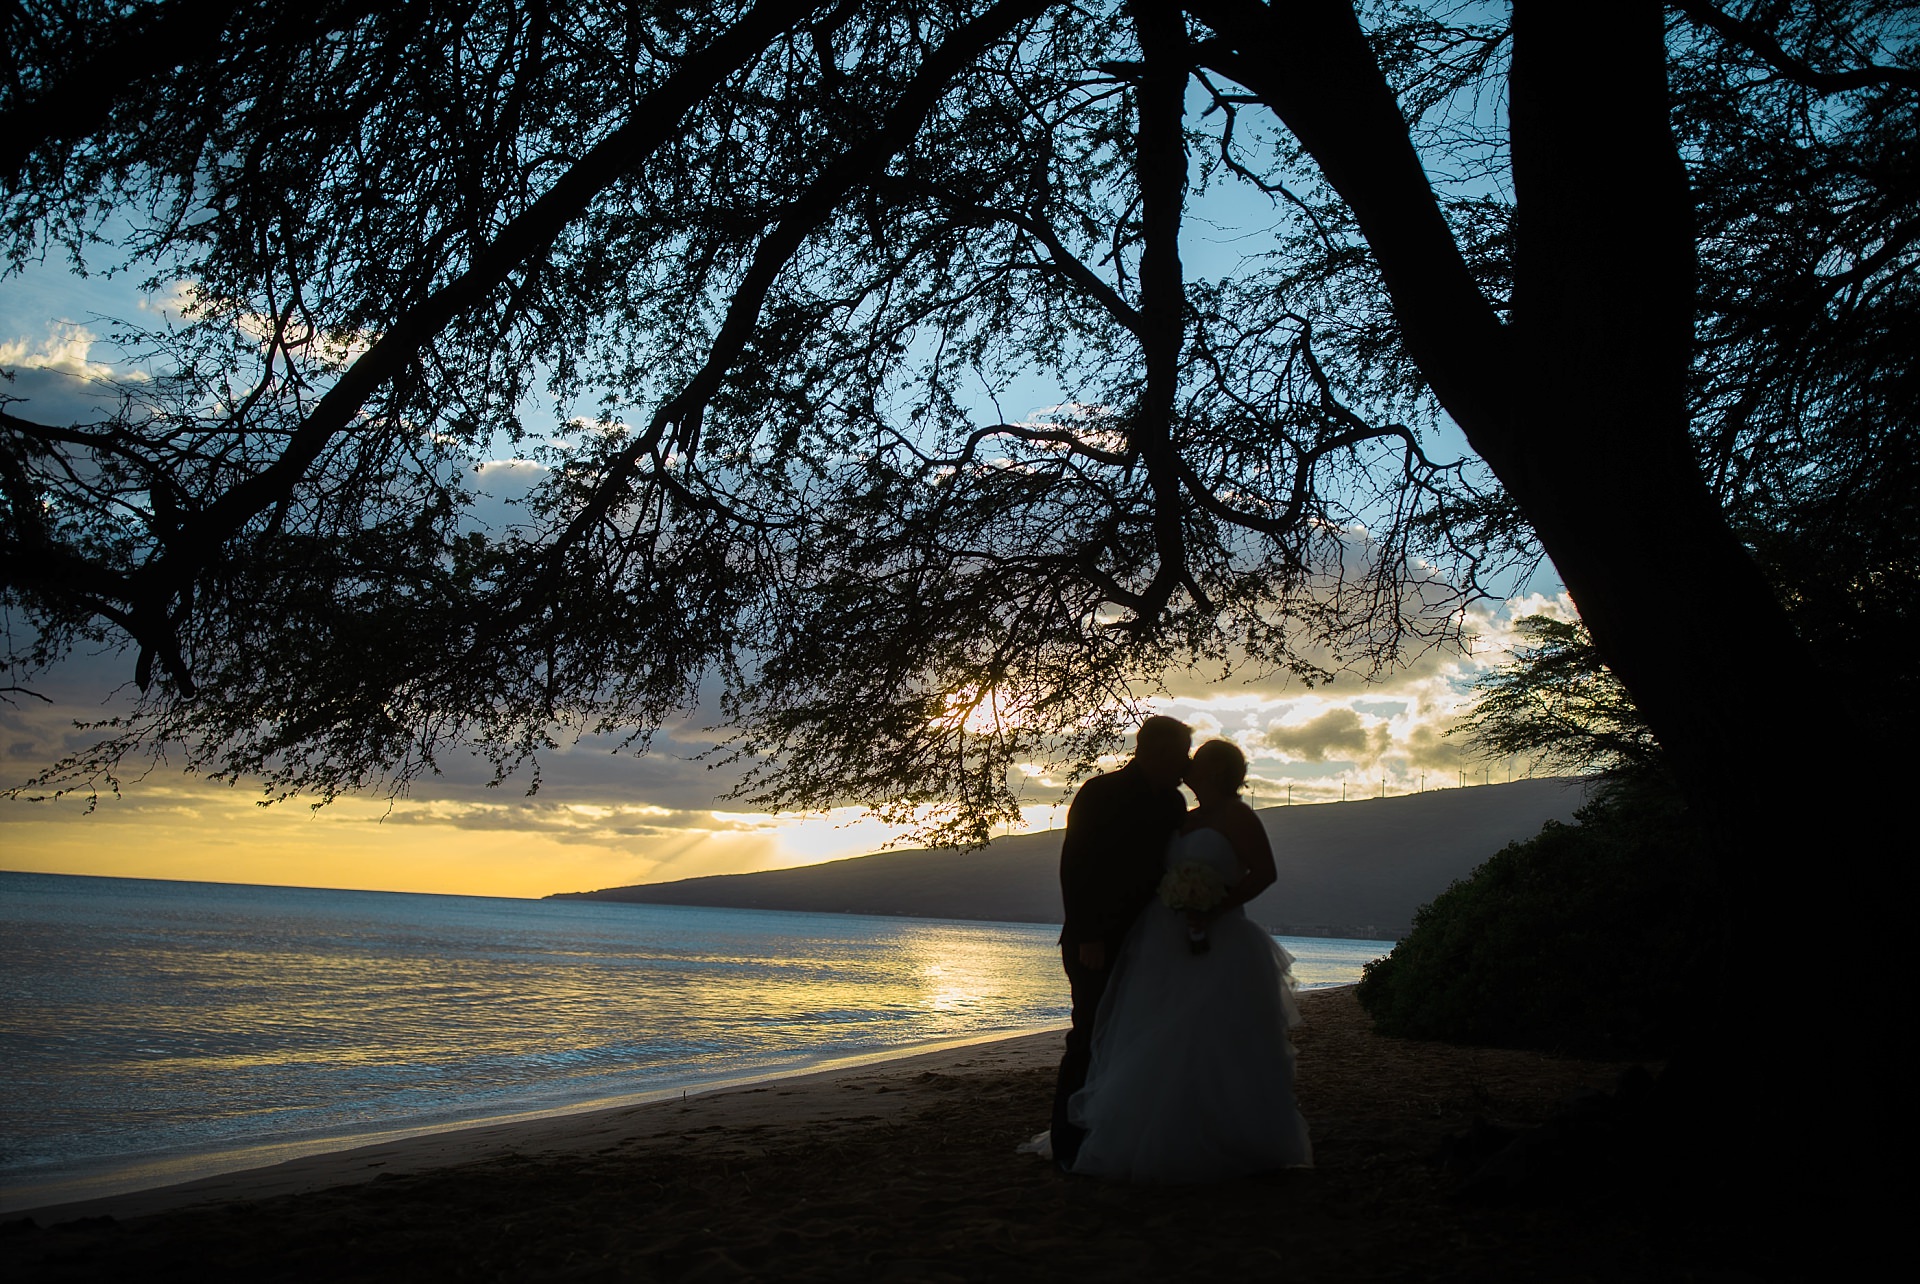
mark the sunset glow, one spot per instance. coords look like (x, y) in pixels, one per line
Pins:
(603, 820)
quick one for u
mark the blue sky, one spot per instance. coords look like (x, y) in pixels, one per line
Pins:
(603, 818)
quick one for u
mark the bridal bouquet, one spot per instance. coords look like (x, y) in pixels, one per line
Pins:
(1192, 887)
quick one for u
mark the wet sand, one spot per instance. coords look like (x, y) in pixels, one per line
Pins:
(906, 1170)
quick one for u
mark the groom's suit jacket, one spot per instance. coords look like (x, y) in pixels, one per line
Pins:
(1114, 852)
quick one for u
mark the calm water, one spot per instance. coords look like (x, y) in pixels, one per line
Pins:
(147, 1018)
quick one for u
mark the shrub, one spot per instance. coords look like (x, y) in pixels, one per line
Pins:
(1599, 938)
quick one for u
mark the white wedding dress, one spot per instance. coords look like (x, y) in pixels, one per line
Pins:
(1192, 1076)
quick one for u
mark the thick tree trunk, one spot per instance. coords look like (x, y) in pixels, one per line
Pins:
(1596, 450)
(1594, 443)
(1579, 404)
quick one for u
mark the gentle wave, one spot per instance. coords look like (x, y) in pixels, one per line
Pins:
(147, 1017)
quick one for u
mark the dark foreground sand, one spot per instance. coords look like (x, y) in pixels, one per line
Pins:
(906, 1170)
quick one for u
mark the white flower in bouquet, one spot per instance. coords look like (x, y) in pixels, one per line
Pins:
(1192, 886)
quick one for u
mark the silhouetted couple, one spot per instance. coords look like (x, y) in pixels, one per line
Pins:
(1178, 1066)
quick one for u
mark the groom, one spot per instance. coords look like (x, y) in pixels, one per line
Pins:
(1110, 867)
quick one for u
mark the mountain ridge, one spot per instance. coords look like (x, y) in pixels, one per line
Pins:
(1356, 869)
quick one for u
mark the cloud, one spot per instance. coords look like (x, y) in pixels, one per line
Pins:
(172, 299)
(513, 477)
(605, 816)
(1495, 635)
(568, 822)
(66, 350)
(500, 491)
(1427, 747)
(1339, 734)
(1264, 792)
(56, 378)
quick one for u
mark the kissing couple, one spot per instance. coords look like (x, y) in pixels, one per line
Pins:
(1178, 1067)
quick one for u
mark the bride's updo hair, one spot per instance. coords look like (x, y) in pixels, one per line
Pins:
(1222, 761)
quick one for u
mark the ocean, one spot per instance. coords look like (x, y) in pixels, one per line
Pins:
(153, 1031)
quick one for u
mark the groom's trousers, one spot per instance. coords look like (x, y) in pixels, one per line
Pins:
(1086, 985)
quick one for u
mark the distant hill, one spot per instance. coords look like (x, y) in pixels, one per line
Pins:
(1357, 869)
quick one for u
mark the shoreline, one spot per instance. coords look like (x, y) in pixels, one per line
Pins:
(138, 1185)
(103, 1187)
(906, 1170)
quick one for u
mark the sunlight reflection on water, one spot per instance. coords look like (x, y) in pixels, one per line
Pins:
(151, 1017)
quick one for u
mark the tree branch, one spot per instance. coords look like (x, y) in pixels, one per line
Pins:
(143, 46)
(1022, 432)
(677, 421)
(1757, 40)
(1161, 158)
(1313, 67)
(1070, 266)
(653, 121)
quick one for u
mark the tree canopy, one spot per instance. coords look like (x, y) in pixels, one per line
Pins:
(1558, 706)
(775, 275)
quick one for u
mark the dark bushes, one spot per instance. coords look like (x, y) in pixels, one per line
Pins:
(1599, 938)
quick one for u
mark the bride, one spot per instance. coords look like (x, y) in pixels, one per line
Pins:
(1192, 1076)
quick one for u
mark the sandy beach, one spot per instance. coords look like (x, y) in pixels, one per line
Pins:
(907, 1170)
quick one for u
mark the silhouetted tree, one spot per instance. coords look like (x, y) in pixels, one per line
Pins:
(1557, 705)
(794, 264)
(793, 250)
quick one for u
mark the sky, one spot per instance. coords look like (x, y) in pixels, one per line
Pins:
(604, 818)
